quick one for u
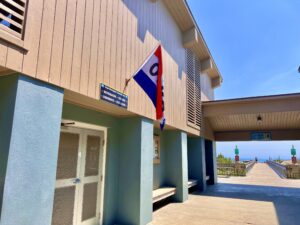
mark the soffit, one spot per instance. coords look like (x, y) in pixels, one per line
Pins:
(280, 112)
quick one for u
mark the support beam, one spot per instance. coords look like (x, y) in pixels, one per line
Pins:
(264, 104)
(279, 135)
(206, 66)
(135, 171)
(190, 38)
(216, 82)
(196, 161)
(28, 149)
(176, 167)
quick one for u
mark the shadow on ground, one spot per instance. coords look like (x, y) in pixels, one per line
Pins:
(285, 200)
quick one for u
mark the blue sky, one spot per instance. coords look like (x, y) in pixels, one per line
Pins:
(256, 45)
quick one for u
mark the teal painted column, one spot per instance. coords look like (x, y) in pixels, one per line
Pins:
(211, 161)
(135, 171)
(30, 113)
(196, 161)
(175, 145)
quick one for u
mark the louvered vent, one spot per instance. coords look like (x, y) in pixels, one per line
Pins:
(193, 88)
(12, 16)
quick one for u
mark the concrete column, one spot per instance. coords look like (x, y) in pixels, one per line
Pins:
(176, 163)
(30, 113)
(135, 171)
(211, 161)
(196, 161)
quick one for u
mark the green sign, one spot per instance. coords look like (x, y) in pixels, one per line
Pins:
(236, 150)
(293, 151)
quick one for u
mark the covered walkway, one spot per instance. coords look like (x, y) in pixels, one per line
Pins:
(275, 116)
(260, 198)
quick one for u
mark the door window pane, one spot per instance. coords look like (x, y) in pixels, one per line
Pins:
(89, 205)
(92, 156)
(63, 207)
(67, 156)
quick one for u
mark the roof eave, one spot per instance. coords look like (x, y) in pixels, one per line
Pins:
(187, 23)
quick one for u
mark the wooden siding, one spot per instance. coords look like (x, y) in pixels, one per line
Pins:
(78, 44)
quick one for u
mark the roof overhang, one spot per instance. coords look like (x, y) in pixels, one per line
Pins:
(236, 119)
(193, 39)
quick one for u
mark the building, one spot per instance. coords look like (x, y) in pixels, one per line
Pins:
(68, 157)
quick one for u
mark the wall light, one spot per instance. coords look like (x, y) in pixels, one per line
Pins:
(259, 118)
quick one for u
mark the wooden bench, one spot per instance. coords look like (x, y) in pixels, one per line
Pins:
(162, 193)
(166, 192)
(192, 183)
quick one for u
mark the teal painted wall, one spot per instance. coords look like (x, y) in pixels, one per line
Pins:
(196, 161)
(127, 198)
(32, 114)
(76, 113)
(158, 175)
(8, 91)
(159, 170)
(173, 167)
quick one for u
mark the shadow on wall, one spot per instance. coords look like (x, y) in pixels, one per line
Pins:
(153, 18)
(286, 200)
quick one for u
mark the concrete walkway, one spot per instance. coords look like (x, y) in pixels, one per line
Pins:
(261, 198)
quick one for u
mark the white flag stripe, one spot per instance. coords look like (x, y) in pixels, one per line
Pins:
(147, 66)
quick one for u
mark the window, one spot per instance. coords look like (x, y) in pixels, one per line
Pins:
(193, 90)
(156, 149)
(12, 16)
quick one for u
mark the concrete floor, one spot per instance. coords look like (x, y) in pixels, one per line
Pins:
(261, 198)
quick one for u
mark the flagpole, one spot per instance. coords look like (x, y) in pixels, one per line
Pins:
(127, 80)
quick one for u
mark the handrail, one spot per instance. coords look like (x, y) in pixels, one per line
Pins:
(276, 164)
(278, 168)
(249, 165)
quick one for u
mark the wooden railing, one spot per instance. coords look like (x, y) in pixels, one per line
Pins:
(235, 169)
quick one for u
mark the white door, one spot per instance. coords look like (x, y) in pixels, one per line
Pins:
(77, 198)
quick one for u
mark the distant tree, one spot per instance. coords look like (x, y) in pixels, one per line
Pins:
(223, 160)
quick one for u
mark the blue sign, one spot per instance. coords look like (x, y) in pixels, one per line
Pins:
(261, 136)
(112, 96)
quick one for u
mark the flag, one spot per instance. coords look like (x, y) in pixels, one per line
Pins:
(150, 79)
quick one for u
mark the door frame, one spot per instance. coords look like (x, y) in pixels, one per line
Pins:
(87, 126)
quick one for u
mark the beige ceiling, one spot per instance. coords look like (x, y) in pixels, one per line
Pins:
(278, 113)
(270, 121)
